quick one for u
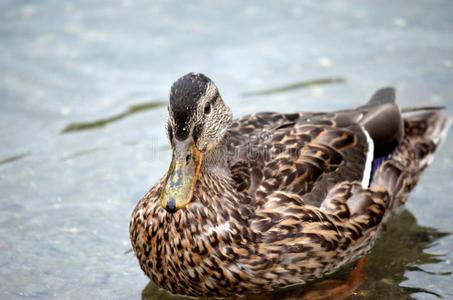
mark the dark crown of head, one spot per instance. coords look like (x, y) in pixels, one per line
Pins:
(187, 90)
(184, 96)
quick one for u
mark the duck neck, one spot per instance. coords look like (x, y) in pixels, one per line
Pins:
(216, 161)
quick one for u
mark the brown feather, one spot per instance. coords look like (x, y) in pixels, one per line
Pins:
(291, 207)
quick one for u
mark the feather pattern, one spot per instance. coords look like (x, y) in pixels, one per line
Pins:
(290, 206)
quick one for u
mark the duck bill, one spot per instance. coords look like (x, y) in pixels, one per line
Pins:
(182, 177)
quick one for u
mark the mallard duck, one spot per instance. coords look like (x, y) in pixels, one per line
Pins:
(271, 199)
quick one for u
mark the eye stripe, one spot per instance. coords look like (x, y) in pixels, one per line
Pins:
(196, 133)
(207, 108)
(170, 133)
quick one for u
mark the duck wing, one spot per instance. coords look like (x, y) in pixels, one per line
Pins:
(308, 153)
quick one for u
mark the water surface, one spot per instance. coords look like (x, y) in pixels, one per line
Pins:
(82, 135)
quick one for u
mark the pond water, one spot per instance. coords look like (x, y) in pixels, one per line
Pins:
(82, 106)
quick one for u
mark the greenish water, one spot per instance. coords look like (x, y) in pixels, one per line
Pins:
(295, 86)
(80, 141)
(135, 108)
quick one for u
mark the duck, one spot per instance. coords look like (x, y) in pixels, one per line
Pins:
(271, 200)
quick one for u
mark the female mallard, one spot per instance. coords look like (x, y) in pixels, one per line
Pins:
(272, 200)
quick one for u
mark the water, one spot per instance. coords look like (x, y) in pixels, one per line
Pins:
(82, 137)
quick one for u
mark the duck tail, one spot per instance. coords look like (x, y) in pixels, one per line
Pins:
(400, 172)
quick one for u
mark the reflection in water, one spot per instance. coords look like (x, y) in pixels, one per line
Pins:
(83, 153)
(295, 86)
(13, 158)
(399, 249)
(136, 108)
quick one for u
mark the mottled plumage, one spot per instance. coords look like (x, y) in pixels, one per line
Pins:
(278, 199)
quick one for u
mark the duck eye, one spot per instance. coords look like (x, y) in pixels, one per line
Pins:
(207, 108)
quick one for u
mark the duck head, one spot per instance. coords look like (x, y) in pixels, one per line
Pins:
(197, 122)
